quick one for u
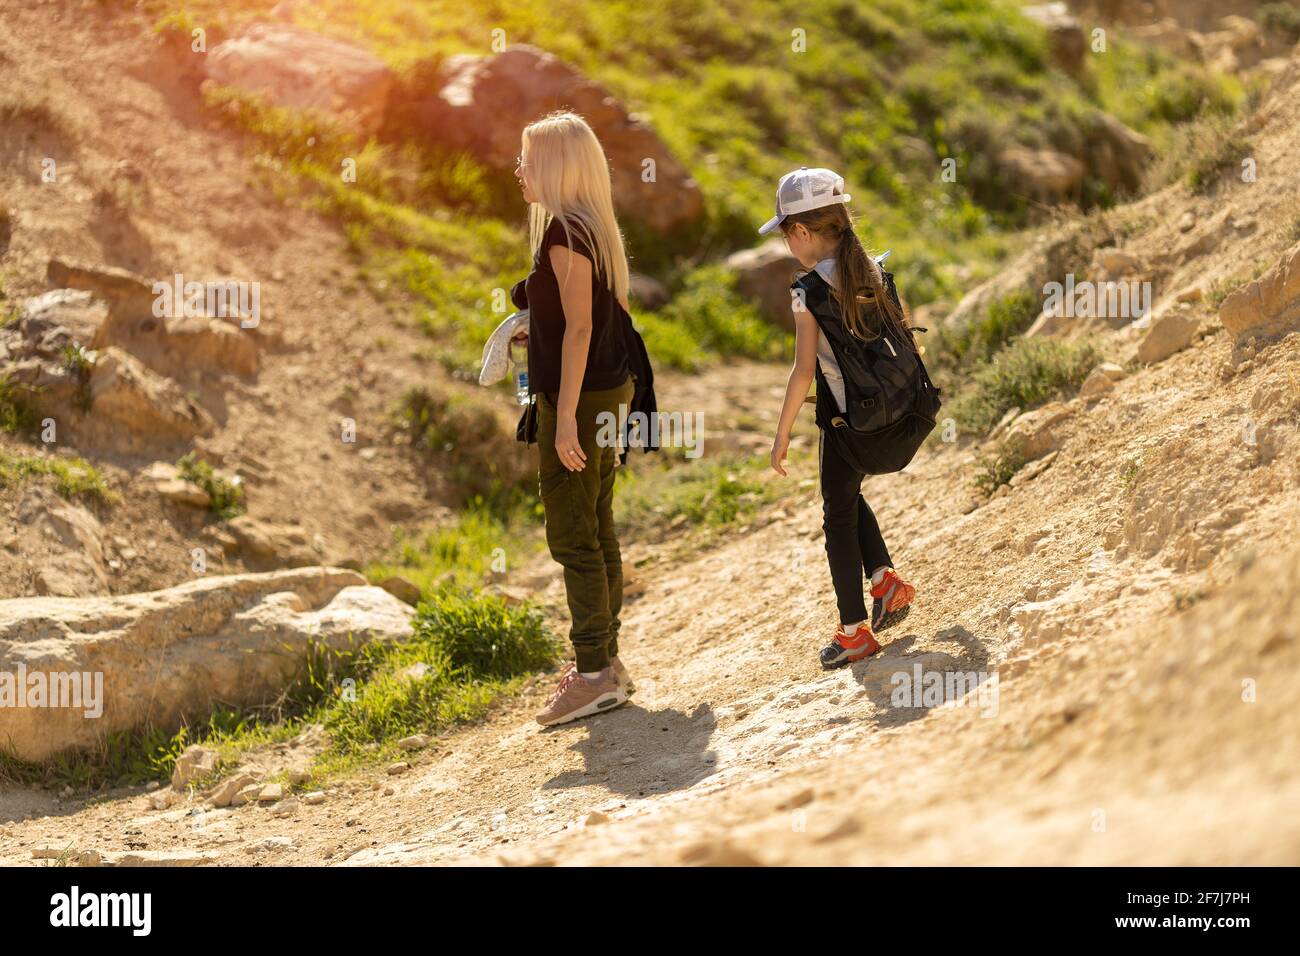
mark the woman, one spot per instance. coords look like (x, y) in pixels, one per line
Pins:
(577, 368)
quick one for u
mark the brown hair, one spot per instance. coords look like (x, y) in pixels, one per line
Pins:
(858, 278)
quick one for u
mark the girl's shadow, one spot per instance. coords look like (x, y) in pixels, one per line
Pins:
(903, 684)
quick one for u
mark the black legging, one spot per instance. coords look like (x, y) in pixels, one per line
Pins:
(853, 541)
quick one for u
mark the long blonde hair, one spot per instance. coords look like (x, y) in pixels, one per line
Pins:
(860, 288)
(569, 174)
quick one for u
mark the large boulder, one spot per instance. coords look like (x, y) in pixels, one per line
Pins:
(486, 101)
(298, 69)
(157, 658)
(1044, 175)
(1064, 31)
(1268, 306)
(763, 275)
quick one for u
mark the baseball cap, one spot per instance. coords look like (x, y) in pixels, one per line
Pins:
(805, 189)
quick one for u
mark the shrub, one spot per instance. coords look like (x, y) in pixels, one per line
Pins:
(1024, 374)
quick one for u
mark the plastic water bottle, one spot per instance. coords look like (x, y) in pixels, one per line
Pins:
(521, 386)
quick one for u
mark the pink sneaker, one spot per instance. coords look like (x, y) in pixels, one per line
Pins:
(578, 697)
(620, 673)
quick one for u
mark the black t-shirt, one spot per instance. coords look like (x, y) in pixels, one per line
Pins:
(607, 365)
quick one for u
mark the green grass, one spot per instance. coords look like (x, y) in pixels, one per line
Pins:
(72, 476)
(472, 648)
(707, 319)
(225, 498)
(1025, 374)
(984, 335)
(16, 414)
(702, 494)
(997, 468)
(470, 551)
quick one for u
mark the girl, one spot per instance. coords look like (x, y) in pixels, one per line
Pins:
(812, 214)
(578, 367)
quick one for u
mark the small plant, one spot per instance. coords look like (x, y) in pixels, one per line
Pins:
(15, 414)
(1129, 474)
(72, 476)
(997, 468)
(225, 498)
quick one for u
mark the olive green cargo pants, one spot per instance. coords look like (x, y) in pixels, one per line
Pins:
(579, 507)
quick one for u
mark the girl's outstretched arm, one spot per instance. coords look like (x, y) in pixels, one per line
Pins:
(796, 389)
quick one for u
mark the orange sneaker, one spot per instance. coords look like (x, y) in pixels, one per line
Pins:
(846, 649)
(891, 600)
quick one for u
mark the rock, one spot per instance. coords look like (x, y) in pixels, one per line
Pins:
(1043, 175)
(121, 289)
(522, 84)
(402, 589)
(165, 479)
(73, 310)
(1065, 32)
(149, 410)
(285, 808)
(594, 818)
(305, 71)
(648, 292)
(1189, 295)
(1011, 415)
(1188, 222)
(1168, 35)
(763, 275)
(223, 640)
(246, 794)
(1172, 331)
(415, 742)
(268, 545)
(77, 570)
(1097, 384)
(162, 799)
(399, 767)
(270, 793)
(194, 763)
(224, 793)
(89, 858)
(1117, 263)
(1038, 432)
(314, 798)
(1268, 306)
(1115, 154)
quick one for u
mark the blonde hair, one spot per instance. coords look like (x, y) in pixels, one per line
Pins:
(569, 174)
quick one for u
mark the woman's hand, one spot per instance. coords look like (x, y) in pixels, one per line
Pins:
(780, 445)
(566, 443)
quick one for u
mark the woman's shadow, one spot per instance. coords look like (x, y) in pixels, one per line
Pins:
(636, 752)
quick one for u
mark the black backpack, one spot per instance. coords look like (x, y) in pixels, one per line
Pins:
(891, 404)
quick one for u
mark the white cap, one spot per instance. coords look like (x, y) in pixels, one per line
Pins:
(805, 189)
